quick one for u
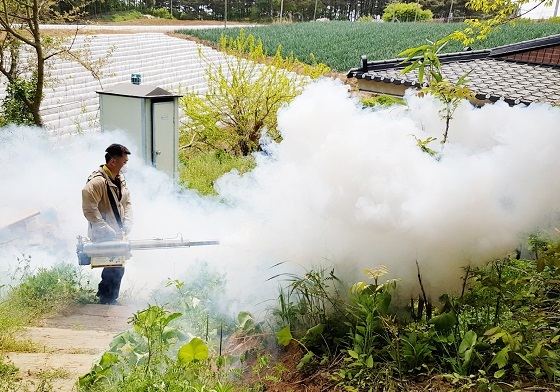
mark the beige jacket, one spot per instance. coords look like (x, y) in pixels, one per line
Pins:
(97, 208)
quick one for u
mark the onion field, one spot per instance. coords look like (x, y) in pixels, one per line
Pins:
(341, 44)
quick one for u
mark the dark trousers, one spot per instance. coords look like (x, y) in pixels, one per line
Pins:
(110, 284)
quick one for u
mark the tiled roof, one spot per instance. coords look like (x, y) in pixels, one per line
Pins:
(492, 77)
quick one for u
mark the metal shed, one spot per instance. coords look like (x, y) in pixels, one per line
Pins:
(149, 116)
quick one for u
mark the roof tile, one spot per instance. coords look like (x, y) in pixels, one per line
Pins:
(490, 76)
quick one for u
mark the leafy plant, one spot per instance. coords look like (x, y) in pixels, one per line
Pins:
(381, 101)
(32, 295)
(200, 169)
(14, 109)
(405, 12)
(424, 59)
(309, 300)
(243, 97)
(149, 358)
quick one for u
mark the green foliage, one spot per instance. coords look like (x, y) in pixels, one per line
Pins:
(11, 381)
(199, 297)
(22, 24)
(195, 350)
(371, 339)
(499, 12)
(199, 170)
(365, 18)
(425, 61)
(162, 13)
(27, 299)
(143, 359)
(243, 97)
(546, 251)
(8, 372)
(122, 16)
(423, 144)
(14, 108)
(308, 300)
(49, 289)
(500, 330)
(284, 336)
(329, 41)
(405, 12)
(381, 101)
(33, 295)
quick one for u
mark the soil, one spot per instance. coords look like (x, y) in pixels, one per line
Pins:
(70, 344)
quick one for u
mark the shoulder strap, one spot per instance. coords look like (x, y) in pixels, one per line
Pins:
(111, 198)
(114, 205)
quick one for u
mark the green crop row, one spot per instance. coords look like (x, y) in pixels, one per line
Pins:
(340, 45)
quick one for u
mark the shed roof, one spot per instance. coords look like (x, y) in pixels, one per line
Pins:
(523, 72)
(138, 90)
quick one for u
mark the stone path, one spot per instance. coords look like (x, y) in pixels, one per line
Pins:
(70, 344)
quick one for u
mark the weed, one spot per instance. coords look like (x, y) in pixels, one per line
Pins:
(32, 295)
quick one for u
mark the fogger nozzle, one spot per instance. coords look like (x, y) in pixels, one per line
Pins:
(113, 253)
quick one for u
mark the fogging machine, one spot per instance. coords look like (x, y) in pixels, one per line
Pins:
(115, 253)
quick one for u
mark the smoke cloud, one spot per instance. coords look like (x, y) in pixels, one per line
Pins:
(347, 188)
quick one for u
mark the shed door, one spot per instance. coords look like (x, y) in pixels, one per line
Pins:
(163, 137)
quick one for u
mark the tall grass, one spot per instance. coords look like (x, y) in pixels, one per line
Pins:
(340, 45)
(200, 170)
(122, 16)
(32, 295)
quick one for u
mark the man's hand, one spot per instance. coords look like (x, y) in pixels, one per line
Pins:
(104, 233)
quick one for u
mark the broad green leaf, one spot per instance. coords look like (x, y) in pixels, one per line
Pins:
(108, 359)
(284, 336)
(501, 359)
(437, 76)
(358, 287)
(409, 68)
(525, 359)
(245, 320)
(492, 331)
(353, 354)
(469, 340)
(499, 373)
(444, 322)
(171, 317)
(313, 333)
(196, 349)
(305, 360)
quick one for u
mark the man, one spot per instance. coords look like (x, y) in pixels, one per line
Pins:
(106, 205)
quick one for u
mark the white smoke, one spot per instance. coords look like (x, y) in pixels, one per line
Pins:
(348, 188)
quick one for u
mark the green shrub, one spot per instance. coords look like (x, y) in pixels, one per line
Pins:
(381, 101)
(13, 108)
(152, 357)
(50, 289)
(162, 13)
(32, 295)
(122, 16)
(243, 97)
(406, 12)
(200, 170)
